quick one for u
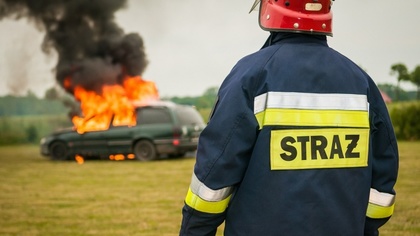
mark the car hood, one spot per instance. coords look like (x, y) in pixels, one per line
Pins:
(64, 131)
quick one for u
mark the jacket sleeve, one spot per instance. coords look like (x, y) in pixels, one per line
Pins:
(223, 153)
(384, 163)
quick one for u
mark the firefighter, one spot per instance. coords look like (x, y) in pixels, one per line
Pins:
(299, 141)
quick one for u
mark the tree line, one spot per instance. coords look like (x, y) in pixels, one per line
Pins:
(403, 74)
(52, 104)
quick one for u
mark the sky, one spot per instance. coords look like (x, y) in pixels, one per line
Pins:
(192, 45)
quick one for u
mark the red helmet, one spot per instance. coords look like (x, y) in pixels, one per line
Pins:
(305, 16)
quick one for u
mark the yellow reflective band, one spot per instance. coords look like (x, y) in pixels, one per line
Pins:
(297, 117)
(378, 212)
(319, 148)
(199, 204)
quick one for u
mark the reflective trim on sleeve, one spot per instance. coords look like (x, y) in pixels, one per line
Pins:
(205, 199)
(381, 205)
(312, 109)
(199, 204)
(206, 193)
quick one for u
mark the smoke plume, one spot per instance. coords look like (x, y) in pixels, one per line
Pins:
(92, 49)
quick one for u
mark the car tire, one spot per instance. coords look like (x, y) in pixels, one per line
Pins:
(59, 151)
(144, 150)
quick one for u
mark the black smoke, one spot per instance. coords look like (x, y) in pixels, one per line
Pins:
(92, 49)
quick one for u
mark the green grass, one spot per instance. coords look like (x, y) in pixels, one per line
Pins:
(41, 197)
(406, 219)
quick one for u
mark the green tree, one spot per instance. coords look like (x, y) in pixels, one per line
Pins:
(402, 75)
(51, 94)
(391, 90)
(415, 79)
(204, 101)
(192, 101)
(208, 99)
(30, 94)
(211, 92)
(31, 134)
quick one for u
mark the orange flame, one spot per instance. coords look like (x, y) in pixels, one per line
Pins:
(67, 82)
(79, 159)
(117, 157)
(114, 103)
(140, 90)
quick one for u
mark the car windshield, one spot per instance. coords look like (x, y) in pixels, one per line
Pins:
(188, 115)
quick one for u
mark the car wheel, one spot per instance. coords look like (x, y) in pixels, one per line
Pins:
(145, 150)
(59, 151)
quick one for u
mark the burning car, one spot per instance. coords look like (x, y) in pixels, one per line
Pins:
(161, 128)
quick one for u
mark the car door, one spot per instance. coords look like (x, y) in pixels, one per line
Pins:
(119, 139)
(94, 143)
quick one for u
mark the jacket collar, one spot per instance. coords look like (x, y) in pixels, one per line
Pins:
(276, 37)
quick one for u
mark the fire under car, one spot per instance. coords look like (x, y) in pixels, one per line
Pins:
(162, 129)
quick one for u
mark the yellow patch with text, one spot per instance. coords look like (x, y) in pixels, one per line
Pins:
(319, 148)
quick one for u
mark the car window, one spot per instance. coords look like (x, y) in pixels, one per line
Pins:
(153, 115)
(188, 115)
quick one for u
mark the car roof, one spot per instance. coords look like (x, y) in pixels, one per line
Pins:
(154, 103)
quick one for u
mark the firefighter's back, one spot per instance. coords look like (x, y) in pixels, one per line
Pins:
(309, 173)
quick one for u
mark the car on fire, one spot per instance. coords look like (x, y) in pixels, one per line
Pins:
(162, 128)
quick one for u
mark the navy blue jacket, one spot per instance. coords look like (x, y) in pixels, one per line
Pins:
(299, 143)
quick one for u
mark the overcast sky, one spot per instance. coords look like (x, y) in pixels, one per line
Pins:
(192, 45)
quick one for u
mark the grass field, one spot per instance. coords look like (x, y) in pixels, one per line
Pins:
(41, 197)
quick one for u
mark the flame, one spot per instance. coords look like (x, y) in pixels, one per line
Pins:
(140, 90)
(67, 82)
(79, 159)
(121, 157)
(117, 157)
(115, 102)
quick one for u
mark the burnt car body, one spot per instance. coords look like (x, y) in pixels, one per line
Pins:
(163, 128)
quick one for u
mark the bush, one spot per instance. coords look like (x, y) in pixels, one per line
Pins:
(406, 120)
(29, 129)
(32, 134)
